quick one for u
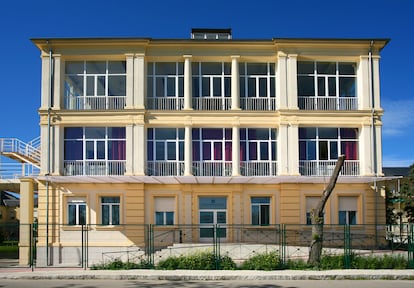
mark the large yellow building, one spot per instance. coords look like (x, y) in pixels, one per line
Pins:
(202, 131)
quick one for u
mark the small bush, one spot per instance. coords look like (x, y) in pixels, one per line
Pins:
(267, 261)
(199, 261)
(117, 264)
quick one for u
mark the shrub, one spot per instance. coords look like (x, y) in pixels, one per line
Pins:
(266, 261)
(198, 261)
(117, 264)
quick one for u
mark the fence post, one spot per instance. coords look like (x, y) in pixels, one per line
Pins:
(282, 243)
(410, 245)
(347, 246)
(216, 245)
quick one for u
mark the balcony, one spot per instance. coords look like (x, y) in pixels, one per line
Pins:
(94, 168)
(95, 103)
(327, 103)
(258, 168)
(326, 168)
(258, 104)
(202, 168)
(165, 103)
(212, 103)
(164, 168)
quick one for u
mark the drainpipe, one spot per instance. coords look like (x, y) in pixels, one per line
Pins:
(373, 138)
(48, 148)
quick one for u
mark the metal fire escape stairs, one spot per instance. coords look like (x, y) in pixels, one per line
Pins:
(26, 154)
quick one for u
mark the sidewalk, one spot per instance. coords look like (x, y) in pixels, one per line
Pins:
(194, 275)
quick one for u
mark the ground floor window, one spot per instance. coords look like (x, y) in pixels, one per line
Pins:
(260, 210)
(347, 210)
(76, 211)
(311, 203)
(213, 214)
(164, 210)
(110, 210)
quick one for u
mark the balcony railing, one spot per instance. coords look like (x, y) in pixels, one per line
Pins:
(27, 151)
(258, 104)
(326, 168)
(211, 103)
(10, 170)
(258, 168)
(202, 168)
(165, 103)
(164, 168)
(327, 103)
(95, 103)
(94, 168)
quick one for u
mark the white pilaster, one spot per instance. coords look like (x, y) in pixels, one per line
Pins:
(45, 89)
(363, 83)
(188, 159)
(365, 150)
(140, 149)
(235, 150)
(129, 81)
(187, 83)
(293, 146)
(292, 82)
(57, 150)
(282, 150)
(58, 78)
(130, 155)
(378, 145)
(235, 83)
(43, 149)
(281, 74)
(139, 81)
(376, 84)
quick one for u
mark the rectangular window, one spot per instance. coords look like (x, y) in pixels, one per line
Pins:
(76, 211)
(347, 210)
(110, 210)
(164, 210)
(260, 210)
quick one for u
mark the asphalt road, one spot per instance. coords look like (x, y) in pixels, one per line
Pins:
(201, 284)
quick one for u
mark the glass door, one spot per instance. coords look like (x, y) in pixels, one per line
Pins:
(212, 212)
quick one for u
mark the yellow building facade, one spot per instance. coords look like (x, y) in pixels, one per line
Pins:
(202, 131)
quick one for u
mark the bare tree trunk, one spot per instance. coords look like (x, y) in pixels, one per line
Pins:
(315, 250)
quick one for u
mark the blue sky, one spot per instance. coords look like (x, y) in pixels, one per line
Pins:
(21, 20)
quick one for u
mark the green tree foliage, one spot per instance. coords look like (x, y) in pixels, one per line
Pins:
(407, 194)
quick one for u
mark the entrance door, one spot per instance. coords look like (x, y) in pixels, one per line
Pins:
(212, 211)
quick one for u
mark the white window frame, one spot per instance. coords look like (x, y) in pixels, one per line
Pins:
(111, 211)
(78, 203)
(260, 205)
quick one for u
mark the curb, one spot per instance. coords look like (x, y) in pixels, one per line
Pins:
(211, 275)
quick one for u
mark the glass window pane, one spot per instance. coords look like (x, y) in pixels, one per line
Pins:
(227, 86)
(101, 86)
(159, 87)
(323, 150)
(90, 150)
(257, 68)
(117, 67)
(264, 214)
(221, 217)
(105, 214)
(333, 150)
(347, 68)
(71, 214)
(74, 86)
(207, 151)
(264, 151)
(306, 86)
(332, 86)
(212, 202)
(170, 86)
(100, 153)
(206, 217)
(166, 68)
(169, 218)
(347, 87)
(95, 133)
(160, 153)
(321, 86)
(251, 87)
(73, 150)
(255, 215)
(116, 132)
(217, 86)
(327, 68)
(342, 217)
(74, 67)
(306, 67)
(307, 133)
(218, 151)
(82, 214)
(115, 214)
(90, 86)
(159, 218)
(206, 87)
(96, 67)
(165, 133)
(328, 133)
(171, 151)
(181, 151)
(352, 217)
(262, 87)
(116, 85)
(253, 151)
(110, 200)
(211, 68)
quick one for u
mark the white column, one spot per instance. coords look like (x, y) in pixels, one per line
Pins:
(43, 149)
(187, 83)
(281, 74)
(58, 78)
(378, 143)
(292, 82)
(57, 150)
(129, 100)
(293, 145)
(365, 150)
(235, 150)
(26, 219)
(188, 153)
(282, 150)
(363, 83)
(235, 83)
(45, 103)
(139, 81)
(376, 84)
(140, 149)
(130, 155)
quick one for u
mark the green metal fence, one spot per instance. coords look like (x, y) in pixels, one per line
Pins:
(88, 245)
